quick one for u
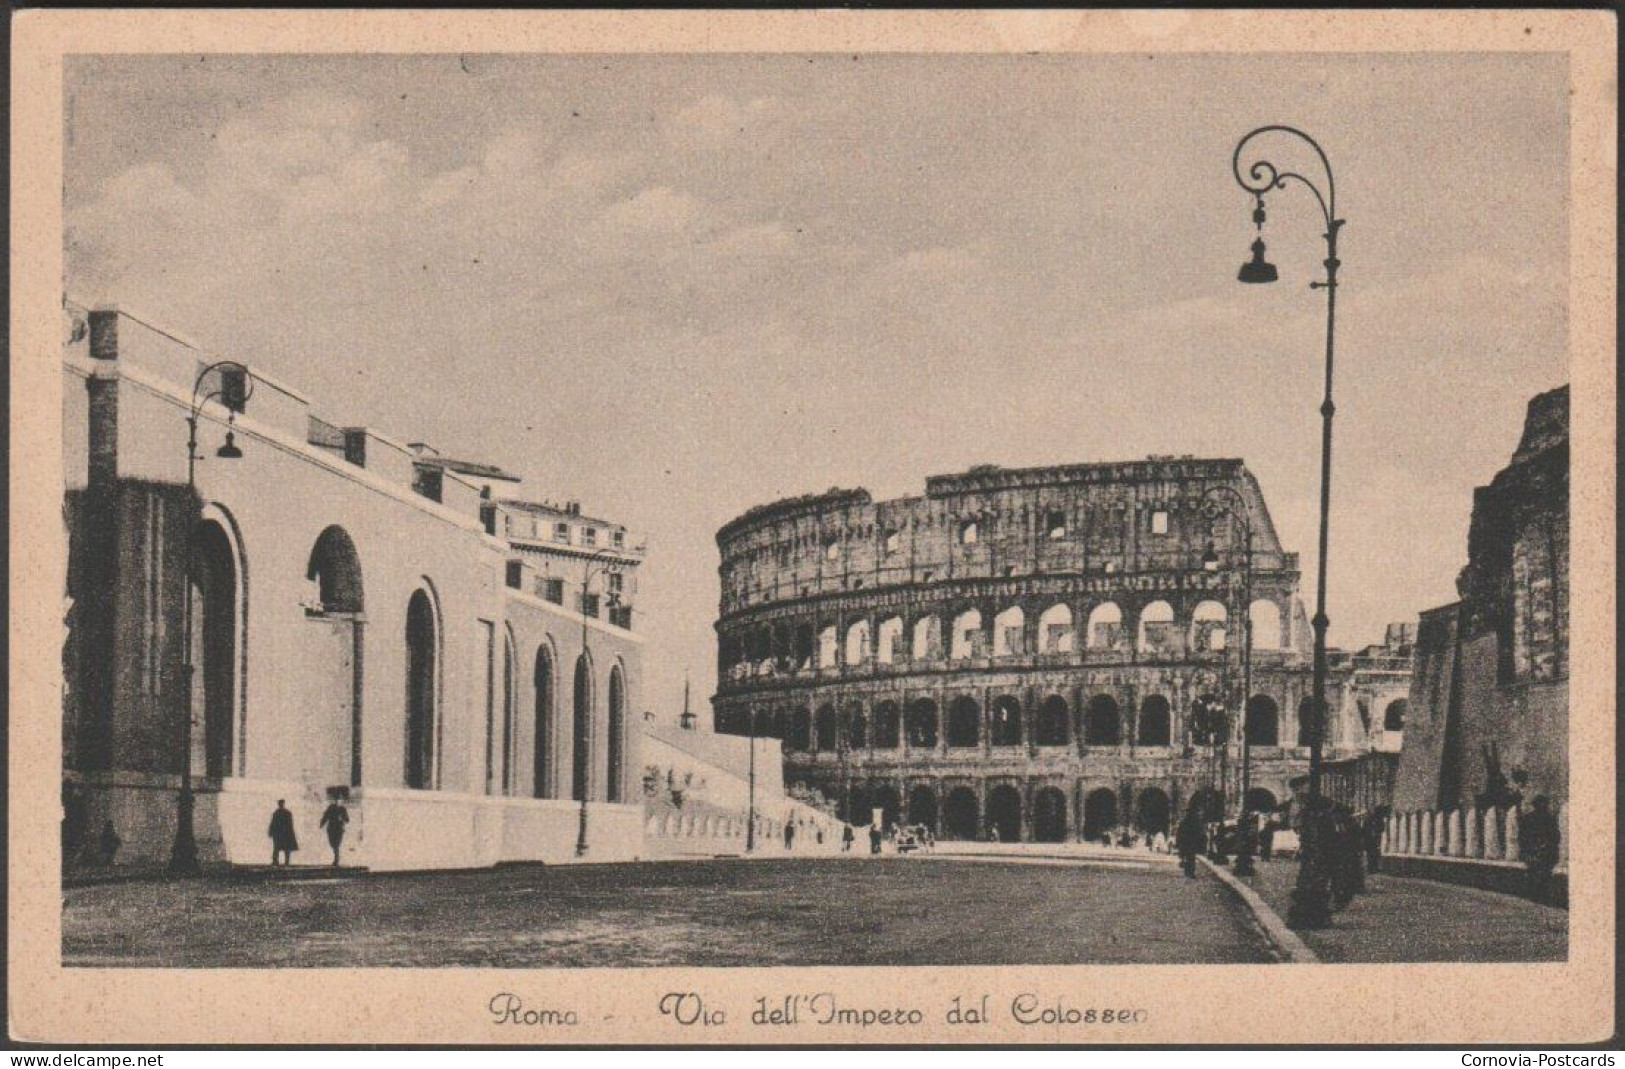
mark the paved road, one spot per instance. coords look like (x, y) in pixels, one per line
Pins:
(859, 911)
(1408, 920)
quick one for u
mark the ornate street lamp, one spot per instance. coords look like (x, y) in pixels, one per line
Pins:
(1226, 500)
(599, 563)
(232, 389)
(1310, 905)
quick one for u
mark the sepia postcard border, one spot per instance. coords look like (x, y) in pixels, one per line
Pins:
(1569, 1002)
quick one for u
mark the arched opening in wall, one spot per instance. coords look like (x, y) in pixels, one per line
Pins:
(1004, 812)
(927, 639)
(616, 784)
(887, 801)
(1099, 813)
(1157, 628)
(1005, 729)
(887, 718)
(857, 728)
(857, 643)
(1393, 717)
(1106, 626)
(922, 807)
(1210, 720)
(330, 651)
(1055, 629)
(824, 727)
(1054, 720)
(510, 714)
(1153, 811)
(1049, 816)
(1266, 618)
(777, 725)
(1209, 803)
(889, 639)
(1308, 722)
(828, 645)
(1263, 721)
(800, 737)
(1010, 632)
(1156, 721)
(422, 672)
(802, 642)
(922, 724)
(967, 636)
(959, 814)
(581, 732)
(541, 785)
(1102, 723)
(964, 722)
(858, 810)
(1209, 623)
(216, 634)
(1259, 800)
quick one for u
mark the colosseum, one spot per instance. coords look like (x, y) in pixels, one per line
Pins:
(1024, 653)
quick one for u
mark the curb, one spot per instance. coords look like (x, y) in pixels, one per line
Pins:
(1285, 941)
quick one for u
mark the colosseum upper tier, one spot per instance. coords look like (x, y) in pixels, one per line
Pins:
(1019, 652)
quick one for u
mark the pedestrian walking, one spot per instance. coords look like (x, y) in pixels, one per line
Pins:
(1190, 839)
(874, 838)
(789, 834)
(334, 819)
(283, 840)
(847, 836)
(1375, 821)
(1538, 842)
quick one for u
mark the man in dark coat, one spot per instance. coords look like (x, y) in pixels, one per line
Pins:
(1375, 822)
(334, 819)
(874, 838)
(283, 840)
(1190, 839)
(1538, 841)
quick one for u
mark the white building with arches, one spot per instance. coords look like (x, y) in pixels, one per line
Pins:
(370, 620)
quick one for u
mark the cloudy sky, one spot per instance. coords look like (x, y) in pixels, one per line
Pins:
(676, 287)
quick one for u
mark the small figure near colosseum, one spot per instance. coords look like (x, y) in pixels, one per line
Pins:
(1190, 840)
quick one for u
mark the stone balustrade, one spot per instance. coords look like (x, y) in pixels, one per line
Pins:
(1488, 834)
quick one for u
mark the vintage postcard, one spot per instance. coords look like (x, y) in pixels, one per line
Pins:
(813, 528)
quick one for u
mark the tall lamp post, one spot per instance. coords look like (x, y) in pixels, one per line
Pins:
(232, 388)
(599, 563)
(750, 807)
(1227, 501)
(1310, 905)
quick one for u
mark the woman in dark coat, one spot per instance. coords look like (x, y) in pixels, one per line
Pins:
(1190, 839)
(283, 841)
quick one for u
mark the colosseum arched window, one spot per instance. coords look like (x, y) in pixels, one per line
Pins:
(1157, 628)
(1208, 626)
(857, 728)
(800, 737)
(964, 722)
(1106, 626)
(1266, 618)
(970, 533)
(1263, 723)
(1055, 629)
(928, 638)
(967, 637)
(857, 643)
(1009, 632)
(804, 647)
(886, 726)
(889, 640)
(922, 723)
(828, 645)
(1393, 717)
(1004, 728)
(1054, 720)
(1102, 722)
(824, 729)
(1156, 721)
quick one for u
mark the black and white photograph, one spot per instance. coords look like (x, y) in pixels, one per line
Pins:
(591, 514)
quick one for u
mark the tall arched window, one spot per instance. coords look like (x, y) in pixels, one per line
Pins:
(1263, 724)
(542, 741)
(1266, 618)
(333, 606)
(886, 726)
(964, 722)
(1102, 723)
(215, 637)
(1105, 626)
(581, 732)
(617, 735)
(1005, 726)
(922, 723)
(967, 636)
(889, 640)
(824, 728)
(1208, 624)
(1155, 721)
(510, 715)
(857, 643)
(422, 684)
(1157, 628)
(800, 737)
(1054, 720)
(1055, 629)
(927, 639)
(1010, 632)
(1393, 717)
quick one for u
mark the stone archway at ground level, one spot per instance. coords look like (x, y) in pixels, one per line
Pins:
(857, 807)
(887, 801)
(1260, 800)
(1049, 816)
(1209, 803)
(1099, 813)
(1004, 812)
(922, 807)
(1153, 811)
(959, 814)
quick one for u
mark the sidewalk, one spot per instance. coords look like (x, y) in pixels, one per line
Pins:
(1407, 920)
